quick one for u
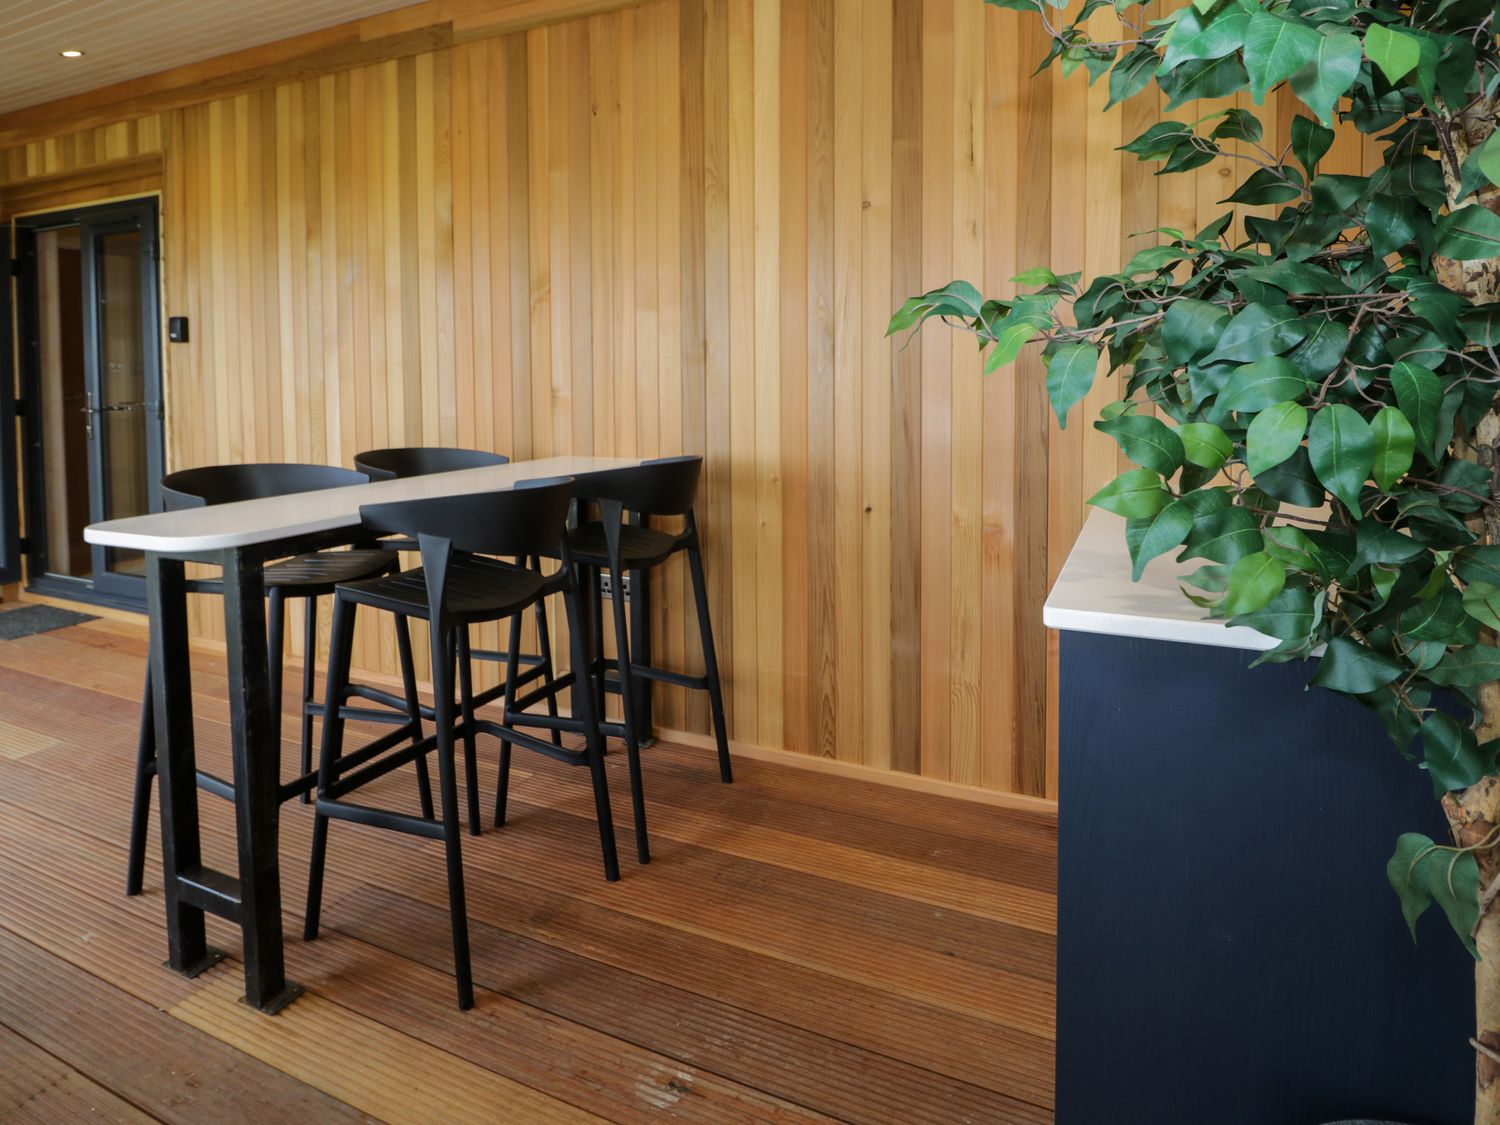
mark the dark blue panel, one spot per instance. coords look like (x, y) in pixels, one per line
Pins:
(1228, 947)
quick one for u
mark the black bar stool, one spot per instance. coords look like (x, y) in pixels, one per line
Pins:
(458, 585)
(664, 487)
(306, 576)
(416, 461)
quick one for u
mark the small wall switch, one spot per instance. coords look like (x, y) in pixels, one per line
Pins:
(177, 329)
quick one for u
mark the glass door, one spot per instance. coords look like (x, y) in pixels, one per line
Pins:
(89, 306)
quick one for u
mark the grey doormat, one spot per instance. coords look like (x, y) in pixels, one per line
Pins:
(29, 619)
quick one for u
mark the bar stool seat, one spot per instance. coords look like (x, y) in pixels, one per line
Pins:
(308, 575)
(640, 547)
(478, 589)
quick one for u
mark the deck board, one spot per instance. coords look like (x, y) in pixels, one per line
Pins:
(802, 947)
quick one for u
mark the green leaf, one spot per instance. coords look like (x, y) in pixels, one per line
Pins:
(1267, 186)
(1041, 275)
(1394, 52)
(1419, 392)
(1452, 754)
(1273, 436)
(1388, 224)
(1191, 329)
(1469, 666)
(1332, 71)
(1342, 449)
(1275, 49)
(1470, 232)
(1131, 75)
(1353, 669)
(1008, 344)
(1204, 445)
(1166, 530)
(1255, 386)
(1289, 616)
(1482, 603)
(1194, 36)
(1215, 78)
(1253, 582)
(1147, 441)
(1070, 374)
(1488, 157)
(1257, 331)
(1135, 494)
(1310, 142)
(1224, 536)
(1420, 872)
(1395, 442)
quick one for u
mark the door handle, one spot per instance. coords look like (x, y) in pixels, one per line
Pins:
(88, 406)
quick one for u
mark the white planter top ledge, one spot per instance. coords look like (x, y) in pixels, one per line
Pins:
(1094, 594)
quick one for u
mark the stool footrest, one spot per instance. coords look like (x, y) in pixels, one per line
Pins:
(677, 679)
(373, 770)
(215, 785)
(210, 890)
(509, 733)
(380, 818)
(559, 685)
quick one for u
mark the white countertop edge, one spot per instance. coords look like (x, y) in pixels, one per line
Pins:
(1094, 594)
(224, 527)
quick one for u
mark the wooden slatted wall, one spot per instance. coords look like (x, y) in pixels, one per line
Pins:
(682, 226)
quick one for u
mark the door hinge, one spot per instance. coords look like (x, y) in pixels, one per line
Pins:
(20, 408)
(12, 267)
(23, 544)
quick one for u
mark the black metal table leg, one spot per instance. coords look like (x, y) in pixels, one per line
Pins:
(255, 747)
(176, 774)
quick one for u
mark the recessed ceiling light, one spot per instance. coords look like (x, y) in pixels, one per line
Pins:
(71, 54)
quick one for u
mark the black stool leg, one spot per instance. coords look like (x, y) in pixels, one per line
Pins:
(340, 652)
(140, 807)
(627, 704)
(309, 670)
(710, 658)
(466, 705)
(593, 740)
(544, 651)
(513, 658)
(590, 578)
(442, 686)
(413, 709)
(275, 650)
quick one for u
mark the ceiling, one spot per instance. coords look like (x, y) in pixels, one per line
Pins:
(124, 39)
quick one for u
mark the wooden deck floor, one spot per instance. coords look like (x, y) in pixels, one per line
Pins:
(803, 947)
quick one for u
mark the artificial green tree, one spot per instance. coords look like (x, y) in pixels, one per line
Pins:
(1325, 444)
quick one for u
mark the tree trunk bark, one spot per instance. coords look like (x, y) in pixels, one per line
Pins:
(1474, 813)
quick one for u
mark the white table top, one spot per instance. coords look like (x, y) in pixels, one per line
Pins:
(1094, 594)
(225, 526)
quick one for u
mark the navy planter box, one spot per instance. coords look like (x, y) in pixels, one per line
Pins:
(1229, 950)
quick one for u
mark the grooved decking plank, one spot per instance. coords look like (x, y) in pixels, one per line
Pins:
(819, 1071)
(152, 1060)
(802, 945)
(38, 1089)
(387, 1074)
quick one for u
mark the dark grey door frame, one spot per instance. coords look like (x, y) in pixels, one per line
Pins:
(94, 222)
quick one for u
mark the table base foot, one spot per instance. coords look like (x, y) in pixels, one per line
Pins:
(277, 1002)
(200, 966)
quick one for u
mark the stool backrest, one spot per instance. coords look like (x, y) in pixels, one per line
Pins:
(664, 487)
(529, 519)
(225, 484)
(419, 460)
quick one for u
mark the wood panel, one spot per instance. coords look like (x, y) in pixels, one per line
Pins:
(678, 226)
